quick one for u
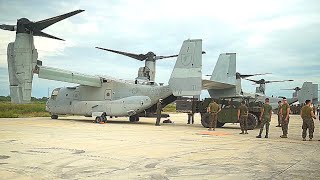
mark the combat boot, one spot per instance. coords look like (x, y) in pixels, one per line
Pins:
(284, 136)
(241, 132)
(259, 136)
(304, 139)
(266, 136)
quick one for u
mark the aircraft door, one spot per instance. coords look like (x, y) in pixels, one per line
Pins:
(108, 94)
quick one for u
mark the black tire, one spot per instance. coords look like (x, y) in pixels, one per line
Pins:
(252, 121)
(137, 119)
(220, 124)
(98, 119)
(132, 118)
(54, 116)
(205, 119)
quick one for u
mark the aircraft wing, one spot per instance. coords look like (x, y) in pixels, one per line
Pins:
(50, 73)
(208, 84)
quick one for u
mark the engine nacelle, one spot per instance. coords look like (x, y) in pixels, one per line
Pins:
(22, 59)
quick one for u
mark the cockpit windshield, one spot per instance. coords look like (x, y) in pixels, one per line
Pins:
(55, 93)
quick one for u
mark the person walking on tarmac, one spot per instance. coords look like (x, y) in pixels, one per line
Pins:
(159, 109)
(213, 109)
(278, 113)
(243, 117)
(265, 118)
(307, 114)
(284, 113)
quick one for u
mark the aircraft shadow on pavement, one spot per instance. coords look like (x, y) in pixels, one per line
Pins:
(112, 121)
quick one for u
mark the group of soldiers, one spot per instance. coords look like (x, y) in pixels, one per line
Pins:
(307, 114)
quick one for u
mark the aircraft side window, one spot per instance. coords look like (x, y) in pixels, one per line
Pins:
(108, 94)
(54, 97)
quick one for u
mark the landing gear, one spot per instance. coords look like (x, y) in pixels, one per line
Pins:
(101, 119)
(134, 118)
(98, 119)
(53, 116)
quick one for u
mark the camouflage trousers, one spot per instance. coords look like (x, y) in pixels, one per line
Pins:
(213, 123)
(284, 125)
(279, 119)
(243, 122)
(307, 124)
(265, 122)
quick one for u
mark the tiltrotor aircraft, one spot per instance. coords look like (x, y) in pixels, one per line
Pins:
(310, 91)
(226, 82)
(96, 94)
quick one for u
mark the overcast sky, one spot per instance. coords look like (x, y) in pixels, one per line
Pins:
(276, 36)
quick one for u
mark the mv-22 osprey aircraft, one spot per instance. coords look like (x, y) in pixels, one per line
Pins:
(230, 84)
(95, 94)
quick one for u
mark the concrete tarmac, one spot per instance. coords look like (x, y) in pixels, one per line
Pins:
(75, 148)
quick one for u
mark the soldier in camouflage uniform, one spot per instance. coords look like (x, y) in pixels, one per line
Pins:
(307, 114)
(159, 109)
(265, 118)
(278, 113)
(213, 109)
(243, 117)
(284, 113)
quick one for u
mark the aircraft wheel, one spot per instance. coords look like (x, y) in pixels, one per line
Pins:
(252, 121)
(132, 118)
(205, 119)
(137, 119)
(54, 116)
(98, 119)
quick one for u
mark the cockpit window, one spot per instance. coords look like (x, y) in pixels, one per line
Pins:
(55, 93)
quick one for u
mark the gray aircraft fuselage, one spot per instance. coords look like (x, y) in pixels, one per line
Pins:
(114, 97)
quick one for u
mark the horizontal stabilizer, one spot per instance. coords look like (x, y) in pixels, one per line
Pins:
(68, 76)
(208, 84)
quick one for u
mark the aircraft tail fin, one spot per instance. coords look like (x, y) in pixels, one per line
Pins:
(308, 91)
(225, 69)
(186, 77)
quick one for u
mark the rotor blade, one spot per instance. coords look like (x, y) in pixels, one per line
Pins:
(42, 34)
(249, 75)
(287, 89)
(40, 25)
(140, 57)
(256, 81)
(164, 57)
(278, 81)
(8, 27)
